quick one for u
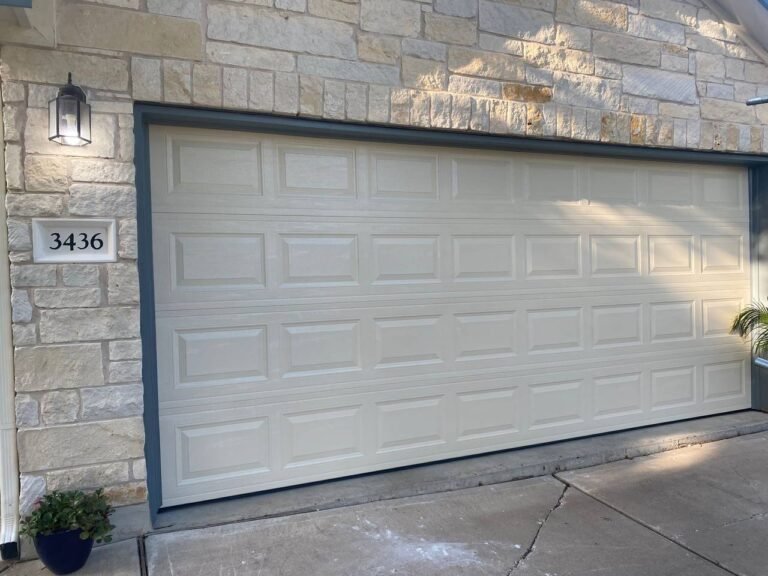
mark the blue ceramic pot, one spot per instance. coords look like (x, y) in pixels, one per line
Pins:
(63, 552)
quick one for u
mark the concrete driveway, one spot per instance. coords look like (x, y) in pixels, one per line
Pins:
(696, 511)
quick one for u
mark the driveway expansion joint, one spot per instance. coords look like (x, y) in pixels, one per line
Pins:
(647, 526)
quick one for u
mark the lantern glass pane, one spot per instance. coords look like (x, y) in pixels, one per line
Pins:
(85, 122)
(68, 121)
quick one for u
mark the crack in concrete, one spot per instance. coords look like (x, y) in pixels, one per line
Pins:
(532, 545)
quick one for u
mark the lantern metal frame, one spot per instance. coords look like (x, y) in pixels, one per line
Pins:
(72, 96)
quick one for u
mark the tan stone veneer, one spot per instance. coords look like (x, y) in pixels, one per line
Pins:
(646, 72)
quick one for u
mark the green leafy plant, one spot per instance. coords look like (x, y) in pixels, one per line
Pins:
(72, 510)
(753, 321)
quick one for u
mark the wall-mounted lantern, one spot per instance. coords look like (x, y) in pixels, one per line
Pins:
(69, 117)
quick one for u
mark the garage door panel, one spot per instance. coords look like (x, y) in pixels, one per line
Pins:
(288, 259)
(219, 170)
(216, 355)
(327, 308)
(449, 419)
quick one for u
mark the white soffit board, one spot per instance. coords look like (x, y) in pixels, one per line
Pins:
(327, 308)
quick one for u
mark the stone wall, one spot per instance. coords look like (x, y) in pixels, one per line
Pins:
(646, 72)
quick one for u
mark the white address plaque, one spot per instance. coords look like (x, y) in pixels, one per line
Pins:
(74, 240)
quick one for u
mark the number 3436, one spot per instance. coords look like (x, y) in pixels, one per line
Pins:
(76, 241)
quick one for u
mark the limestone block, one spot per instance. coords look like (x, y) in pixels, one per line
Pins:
(67, 297)
(469, 62)
(587, 91)
(51, 67)
(80, 444)
(517, 22)
(126, 239)
(296, 33)
(426, 74)
(88, 324)
(250, 57)
(450, 30)
(85, 477)
(146, 79)
(27, 411)
(335, 10)
(346, 70)
(659, 84)
(54, 367)
(377, 48)
(125, 350)
(601, 14)
(398, 17)
(124, 371)
(109, 171)
(112, 401)
(60, 407)
(19, 235)
(476, 86)
(128, 31)
(235, 88)
(35, 204)
(33, 275)
(626, 49)
(80, 274)
(102, 200)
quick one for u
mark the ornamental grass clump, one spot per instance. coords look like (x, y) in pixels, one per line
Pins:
(753, 321)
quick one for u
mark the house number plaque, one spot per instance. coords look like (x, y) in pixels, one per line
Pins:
(74, 240)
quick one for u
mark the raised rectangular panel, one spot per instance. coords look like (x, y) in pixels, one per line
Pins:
(475, 179)
(722, 253)
(556, 404)
(672, 321)
(670, 254)
(671, 388)
(199, 263)
(484, 257)
(616, 325)
(723, 380)
(408, 424)
(553, 256)
(552, 182)
(612, 185)
(219, 450)
(320, 348)
(217, 357)
(315, 260)
(406, 259)
(322, 436)
(558, 330)
(618, 395)
(718, 315)
(488, 413)
(412, 176)
(670, 187)
(615, 255)
(485, 335)
(214, 168)
(409, 341)
(306, 171)
(722, 190)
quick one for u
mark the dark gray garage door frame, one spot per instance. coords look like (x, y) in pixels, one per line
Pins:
(146, 114)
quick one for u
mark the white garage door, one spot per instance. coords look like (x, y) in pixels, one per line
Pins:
(326, 308)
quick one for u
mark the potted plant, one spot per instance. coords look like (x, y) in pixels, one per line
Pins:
(64, 526)
(753, 321)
